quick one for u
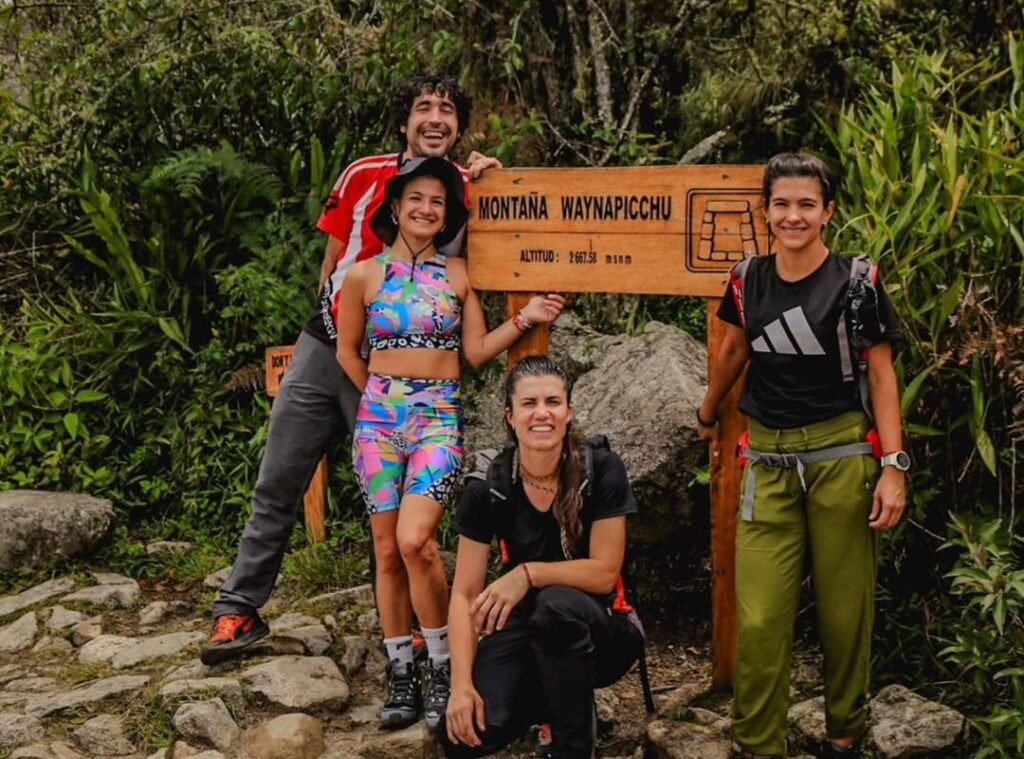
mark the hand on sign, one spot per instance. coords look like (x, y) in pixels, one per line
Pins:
(543, 309)
(709, 433)
(478, 163)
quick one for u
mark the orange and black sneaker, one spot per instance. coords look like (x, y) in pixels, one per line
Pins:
(232, 634)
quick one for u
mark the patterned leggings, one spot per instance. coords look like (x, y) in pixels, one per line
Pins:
(408, 440)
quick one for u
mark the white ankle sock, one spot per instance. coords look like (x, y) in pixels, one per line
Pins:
(399, 649)
(437, 644)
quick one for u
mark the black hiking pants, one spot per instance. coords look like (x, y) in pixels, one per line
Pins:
(557, 646)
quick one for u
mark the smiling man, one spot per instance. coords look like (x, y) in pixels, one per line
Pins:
(316, 399)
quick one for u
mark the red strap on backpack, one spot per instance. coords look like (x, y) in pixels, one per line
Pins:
(620, 605)
(742, 445)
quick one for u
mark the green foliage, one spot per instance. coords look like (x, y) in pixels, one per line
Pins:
(933, 186)
(989, 646)
(932, 157)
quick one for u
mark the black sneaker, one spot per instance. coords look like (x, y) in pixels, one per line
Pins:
(439, 687)
(404, 702)
(232, 634)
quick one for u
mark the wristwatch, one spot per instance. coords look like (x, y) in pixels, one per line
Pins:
(897, 459)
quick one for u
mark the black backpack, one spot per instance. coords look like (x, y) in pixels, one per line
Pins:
(499, 471)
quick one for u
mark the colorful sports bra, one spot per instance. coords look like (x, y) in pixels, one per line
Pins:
(415, 307)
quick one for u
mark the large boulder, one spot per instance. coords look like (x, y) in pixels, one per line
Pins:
(38, 527)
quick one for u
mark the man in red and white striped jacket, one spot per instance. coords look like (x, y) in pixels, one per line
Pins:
(316, 397)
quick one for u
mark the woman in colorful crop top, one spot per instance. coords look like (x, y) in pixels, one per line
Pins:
(416, 309)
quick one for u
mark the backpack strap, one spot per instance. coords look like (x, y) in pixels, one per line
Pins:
(853, 348)
(737, 280)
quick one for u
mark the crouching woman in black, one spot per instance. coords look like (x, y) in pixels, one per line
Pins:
(531, 646)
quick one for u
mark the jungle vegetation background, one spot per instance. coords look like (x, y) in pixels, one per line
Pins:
(163, 163)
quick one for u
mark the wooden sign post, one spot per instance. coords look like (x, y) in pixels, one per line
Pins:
(646, 231)
(278, 361)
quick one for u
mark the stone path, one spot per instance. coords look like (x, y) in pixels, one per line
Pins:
(100, 669)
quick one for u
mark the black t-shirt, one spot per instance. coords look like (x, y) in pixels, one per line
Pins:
(796, 375)
(532, 535)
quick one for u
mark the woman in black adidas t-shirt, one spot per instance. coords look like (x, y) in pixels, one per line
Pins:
(803, 319)
(549, 635)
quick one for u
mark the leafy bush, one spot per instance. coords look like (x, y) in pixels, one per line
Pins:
(932, 159)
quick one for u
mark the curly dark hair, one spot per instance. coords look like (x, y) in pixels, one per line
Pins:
(439, 84)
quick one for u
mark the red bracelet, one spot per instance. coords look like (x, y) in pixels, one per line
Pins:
(529, 580)
(519, 322)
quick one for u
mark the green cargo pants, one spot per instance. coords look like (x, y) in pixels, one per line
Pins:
(831, 518)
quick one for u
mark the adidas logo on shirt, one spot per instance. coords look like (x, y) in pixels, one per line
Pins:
(790, 334)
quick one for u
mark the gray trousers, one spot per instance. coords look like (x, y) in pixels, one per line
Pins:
(315, 399)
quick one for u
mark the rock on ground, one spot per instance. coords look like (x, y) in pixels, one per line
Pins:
(227, 689)
(58, 750)
(19, 635)
(35, 595)
(61, 619)
(163, 547)
(297, 736)
(103, 736)
(207, 722)
(677, 702)
(38, 527)
(807, 722)
(153, 614)
(19, 730)
(87, 630)
(298, 682)
(685, 740)
(119, 595)
(143, 649)
(85, 694)
(414, 742)
(903, 724)
(315, 639)
(32, 685)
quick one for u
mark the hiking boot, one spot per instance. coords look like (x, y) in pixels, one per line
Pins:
(232, 634)
(439, 687)
(404, 702)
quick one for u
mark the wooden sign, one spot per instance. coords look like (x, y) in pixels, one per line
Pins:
(674, 230)
(656, 231)
(277, 362)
